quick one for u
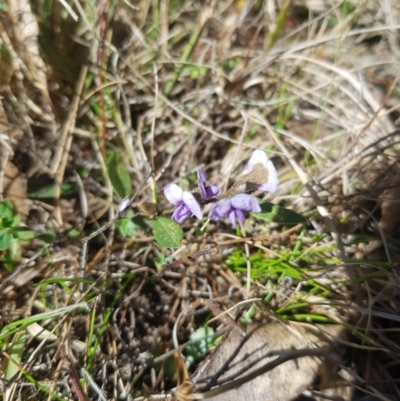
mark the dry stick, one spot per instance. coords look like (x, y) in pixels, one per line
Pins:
(93, 385)
(191, 257)
(153, 125)
(82, 13)
(153, 122)
(120, 212)
(73, 375)
(69, 10)
(239, 304)
(59, 163)
(164, 27)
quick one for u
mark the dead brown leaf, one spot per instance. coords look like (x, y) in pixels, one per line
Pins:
(240, 356)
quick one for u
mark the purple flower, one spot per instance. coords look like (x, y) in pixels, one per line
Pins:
(234, 208)
(186, 202)
(209, 191)
(265, 172)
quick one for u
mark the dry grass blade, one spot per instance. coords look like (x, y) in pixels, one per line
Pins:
(181, 85)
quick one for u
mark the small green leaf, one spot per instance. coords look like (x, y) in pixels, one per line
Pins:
(119, 175)
(126, 227)
(74, 233)
(49, 191)
(5, 239)
(14, 250)
(16, 352)
(277, 214)
(6, 212)
(162, 260)
(23, 233)
(202, 340)
(167, 233)
(16, 220)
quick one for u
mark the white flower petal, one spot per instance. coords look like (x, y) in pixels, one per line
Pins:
(174, 194)
(273, 180)
(124, 204)
(190, 201)
(258, 156)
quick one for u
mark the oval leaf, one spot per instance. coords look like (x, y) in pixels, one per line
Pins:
(119, 175)
(5, 240)
(6, 212)
(167, 233)
(278, 214)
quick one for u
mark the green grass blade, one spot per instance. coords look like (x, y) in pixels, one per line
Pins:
(16, 352)
(21, 324)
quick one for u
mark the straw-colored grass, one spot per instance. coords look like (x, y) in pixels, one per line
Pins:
(145, 92)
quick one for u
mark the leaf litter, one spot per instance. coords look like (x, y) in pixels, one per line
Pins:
(316, 86)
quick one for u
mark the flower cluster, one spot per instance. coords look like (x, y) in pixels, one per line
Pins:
(261, 175)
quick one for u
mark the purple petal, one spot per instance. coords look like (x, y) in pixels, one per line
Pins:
(273, 180)
(240, 216)
(190, 201)
(201, 182)
(174, 194)
(211, 191)
(181, 214)
(201, 176)
(220, 209)
(258, 156)
(232, 216)
(246, 203)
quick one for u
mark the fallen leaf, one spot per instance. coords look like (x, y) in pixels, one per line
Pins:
(240, 356)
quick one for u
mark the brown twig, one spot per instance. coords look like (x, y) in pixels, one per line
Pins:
(191, 257)
(73, 374)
